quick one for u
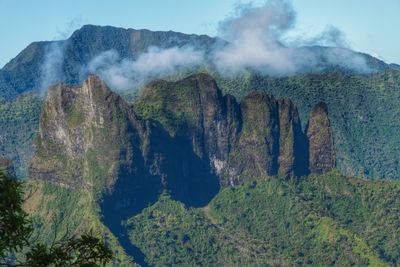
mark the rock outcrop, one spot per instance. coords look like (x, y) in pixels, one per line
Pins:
(260, 136)
(182, 136)
(292, 145)
(85, 132)
(321, 146)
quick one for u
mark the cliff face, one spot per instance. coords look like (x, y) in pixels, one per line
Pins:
(271, 140)
(260, 136)
(84, 132)
(183, 136)
(319, 133)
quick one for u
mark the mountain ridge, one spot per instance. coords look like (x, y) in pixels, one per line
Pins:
(103, 38)
(356, 154)
(159, 172)
(259, 136)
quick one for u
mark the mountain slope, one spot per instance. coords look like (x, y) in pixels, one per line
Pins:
(271, 222)
(19, 121)
(363, 111)
(363, 107)
(89, 137)
(182, 137)
(27, 70)
(156, 179)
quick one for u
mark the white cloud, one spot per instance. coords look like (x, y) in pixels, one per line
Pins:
(256, 39)
(256, 36)
(125, 74)
(51, 68)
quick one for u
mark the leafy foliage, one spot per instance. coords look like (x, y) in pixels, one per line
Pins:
(19, 121)
(327, 220)
(15, 227)
(368, 209)
(57, 212)
(15, 237)
(83, 251)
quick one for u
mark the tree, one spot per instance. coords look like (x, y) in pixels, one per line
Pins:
(16, 230)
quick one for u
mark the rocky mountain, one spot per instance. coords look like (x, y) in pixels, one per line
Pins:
(257, 136)
(24, 72)
(365, 132)
(183, 136)
(70, 57)
(172, 128)
(187, 175)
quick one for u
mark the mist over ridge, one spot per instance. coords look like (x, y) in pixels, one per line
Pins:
(252, 38)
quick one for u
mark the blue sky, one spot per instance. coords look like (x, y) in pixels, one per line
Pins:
(370, 26)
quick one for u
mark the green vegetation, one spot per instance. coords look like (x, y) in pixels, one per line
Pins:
(173, 105)
(363, 110)
(368, 209)
(18, 248)
(327, 220)
(19, 121)
(57, 211)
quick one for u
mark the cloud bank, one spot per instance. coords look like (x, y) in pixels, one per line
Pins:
(254, 35)
(256, 39)
(125, 74)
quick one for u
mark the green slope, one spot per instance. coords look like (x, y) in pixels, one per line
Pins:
(275, 223)
(19, 121)
(58, 212)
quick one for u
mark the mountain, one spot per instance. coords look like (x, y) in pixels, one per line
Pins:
(363, 111)
(182, 136)
(22, 77)
(363, 106)
(189, 176)
(24, 72)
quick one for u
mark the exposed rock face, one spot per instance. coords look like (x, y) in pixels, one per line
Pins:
(88, 137)
(292, 144)
(182, 136)
(260, 136)
(258, 147)
(7, 167)
(321, 146)
(192, 142)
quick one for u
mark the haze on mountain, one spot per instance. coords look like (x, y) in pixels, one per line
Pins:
(190, 150)
(254, 38)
